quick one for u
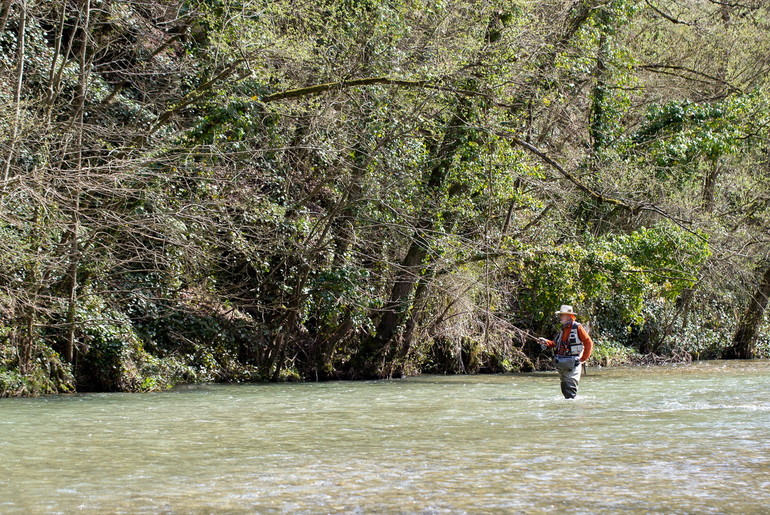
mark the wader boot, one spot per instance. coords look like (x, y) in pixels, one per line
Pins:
(569, 381)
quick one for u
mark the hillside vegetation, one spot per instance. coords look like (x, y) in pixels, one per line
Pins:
(254, 190)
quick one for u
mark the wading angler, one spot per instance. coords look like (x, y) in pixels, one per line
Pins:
(572, 347)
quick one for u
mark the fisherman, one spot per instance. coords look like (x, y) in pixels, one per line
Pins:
(572, 347)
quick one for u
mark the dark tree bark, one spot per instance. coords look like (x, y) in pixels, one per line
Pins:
(597, 116)
(20, 50)
(410, 268)
(745, 338)
(721, 91)
(75, 255)
(5, 11)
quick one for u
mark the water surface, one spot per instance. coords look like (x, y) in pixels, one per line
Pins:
(684, 439)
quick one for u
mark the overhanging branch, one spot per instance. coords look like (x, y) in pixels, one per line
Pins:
(599, 197)
(372, 81)
(191, 98)
(342, 84)
(566, 174)
(666, 15)
(669, 69)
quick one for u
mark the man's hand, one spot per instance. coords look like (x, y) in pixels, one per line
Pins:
(543, 343)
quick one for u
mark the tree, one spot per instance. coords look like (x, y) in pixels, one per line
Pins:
(744, 341)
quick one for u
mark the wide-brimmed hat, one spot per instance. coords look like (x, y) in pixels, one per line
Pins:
(565, 310)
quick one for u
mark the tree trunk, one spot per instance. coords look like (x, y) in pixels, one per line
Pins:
(6, 11)
(27, 343)
(398, 301)
(20, 49)
(69, 349)
(345, 233)
(325, 356)
(409, 270)
(74, 256)
(55, 72)
(597, 117)
(745, 338)
(25, 327)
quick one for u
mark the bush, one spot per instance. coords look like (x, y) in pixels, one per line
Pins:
(619, 284)
(13, 384)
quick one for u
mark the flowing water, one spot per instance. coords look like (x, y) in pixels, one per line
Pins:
(683, 439)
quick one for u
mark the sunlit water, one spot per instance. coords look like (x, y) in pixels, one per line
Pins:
(685, 439)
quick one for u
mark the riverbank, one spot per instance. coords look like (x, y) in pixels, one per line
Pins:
(13, 384)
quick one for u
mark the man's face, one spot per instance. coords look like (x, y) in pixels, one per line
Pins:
(565, 319)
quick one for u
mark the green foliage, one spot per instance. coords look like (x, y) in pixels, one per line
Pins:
(217, 235)
(13, 384)
(611, 279)
(670, 255)
(339, 291)
(607, 352)
(110, 349)
(50, 376)
(678, 136)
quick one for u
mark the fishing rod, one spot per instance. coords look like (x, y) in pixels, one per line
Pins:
(529, 335)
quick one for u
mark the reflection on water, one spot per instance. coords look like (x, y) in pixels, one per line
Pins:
(673, 439)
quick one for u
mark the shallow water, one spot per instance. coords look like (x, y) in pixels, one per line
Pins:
(684, 439)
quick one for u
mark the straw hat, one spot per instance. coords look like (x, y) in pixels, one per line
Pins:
(565, 310)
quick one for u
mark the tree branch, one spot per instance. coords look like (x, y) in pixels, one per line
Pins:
(192, 97)
(666, 15)
(371, 81)
(565, 173)
(599, 197)
(662, 68)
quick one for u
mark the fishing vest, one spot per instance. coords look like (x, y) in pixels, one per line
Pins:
(573, 346)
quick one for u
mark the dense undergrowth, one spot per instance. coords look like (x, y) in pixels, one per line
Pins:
(221, 190)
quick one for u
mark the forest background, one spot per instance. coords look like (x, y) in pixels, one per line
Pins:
(253, 190)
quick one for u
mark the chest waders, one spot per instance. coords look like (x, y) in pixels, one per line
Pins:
(567, 360)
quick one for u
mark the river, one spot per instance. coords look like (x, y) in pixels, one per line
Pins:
(685, 439)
